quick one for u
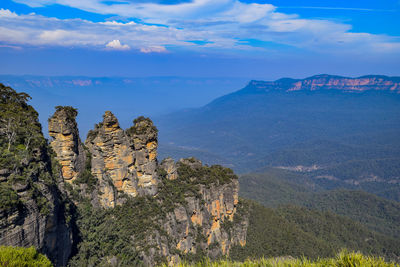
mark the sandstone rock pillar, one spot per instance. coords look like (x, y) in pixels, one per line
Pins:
(66, 142)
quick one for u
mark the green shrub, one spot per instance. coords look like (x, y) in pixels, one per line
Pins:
(70, 111)
(142, 125)
(22, 257)
(8, 198)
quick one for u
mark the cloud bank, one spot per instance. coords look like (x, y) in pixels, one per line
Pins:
(221, 25)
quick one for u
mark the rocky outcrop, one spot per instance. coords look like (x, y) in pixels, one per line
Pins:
(330, 82)
(113, 160)
(169, 166)
(123, 161)
(195, 204)
(66, 142)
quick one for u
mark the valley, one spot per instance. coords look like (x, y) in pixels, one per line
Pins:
(315, 177)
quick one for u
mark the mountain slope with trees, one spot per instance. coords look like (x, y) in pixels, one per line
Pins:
(347, 131)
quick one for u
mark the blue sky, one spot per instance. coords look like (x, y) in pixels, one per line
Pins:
(230, 38)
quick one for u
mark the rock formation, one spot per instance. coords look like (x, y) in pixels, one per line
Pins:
(174, 210)
(123, 161)
(197, 203)
(143, 135)
(112, 160)
(66, 142)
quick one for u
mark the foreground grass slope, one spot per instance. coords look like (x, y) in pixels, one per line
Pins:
(344, 258)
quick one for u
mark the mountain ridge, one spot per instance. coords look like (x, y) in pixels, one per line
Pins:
(257, 127)
(362, 83)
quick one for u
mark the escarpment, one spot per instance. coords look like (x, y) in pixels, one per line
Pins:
(33, 211)
(188, 209)
(330, 82)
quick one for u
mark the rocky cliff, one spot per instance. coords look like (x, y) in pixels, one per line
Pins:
(32, 208)
(330, 82)
(110, 195)
(188, 209)
(190, 217)
(204, 222)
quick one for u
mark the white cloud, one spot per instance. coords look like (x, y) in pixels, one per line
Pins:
(7, 13)
(116, 44)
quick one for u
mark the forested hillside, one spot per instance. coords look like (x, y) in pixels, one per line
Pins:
(277, 188)
(296, 231)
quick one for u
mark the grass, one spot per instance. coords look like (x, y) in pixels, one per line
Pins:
(343, 259)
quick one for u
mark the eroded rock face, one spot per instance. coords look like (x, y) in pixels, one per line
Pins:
(66, 142)
(113, 162)
(123, 161)
(205, 221)
(169, 166)
(143, 135)
(29, 226)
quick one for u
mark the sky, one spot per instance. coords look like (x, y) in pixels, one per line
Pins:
(256, 39)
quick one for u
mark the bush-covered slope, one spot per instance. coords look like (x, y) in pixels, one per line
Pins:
(296, 231)
(277, 187)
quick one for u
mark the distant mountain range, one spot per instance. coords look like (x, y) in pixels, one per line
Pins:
(344, 132)
(329, 82)
(127, 97)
